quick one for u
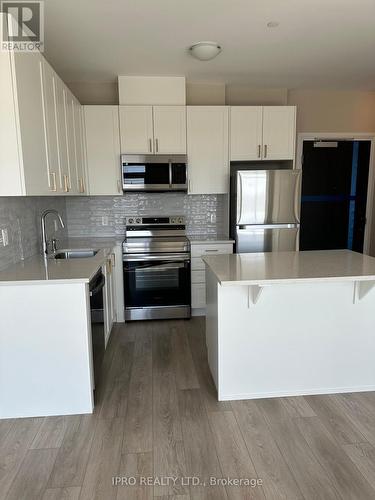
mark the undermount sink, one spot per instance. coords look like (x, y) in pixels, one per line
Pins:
(75, 254)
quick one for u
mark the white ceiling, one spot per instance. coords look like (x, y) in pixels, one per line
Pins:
(319, 43)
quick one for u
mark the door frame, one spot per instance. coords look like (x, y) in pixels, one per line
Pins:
(310, 136)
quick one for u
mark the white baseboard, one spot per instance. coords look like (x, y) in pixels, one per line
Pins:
(282, 394)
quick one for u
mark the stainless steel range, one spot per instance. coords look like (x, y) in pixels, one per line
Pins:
(156, 262)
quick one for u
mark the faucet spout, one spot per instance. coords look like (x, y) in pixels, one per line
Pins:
(43, 227)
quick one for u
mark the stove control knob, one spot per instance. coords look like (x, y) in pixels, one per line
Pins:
(130, 221)
(138, 220)
(173, 220)
(180, 220)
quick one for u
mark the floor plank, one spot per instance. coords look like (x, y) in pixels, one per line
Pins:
(361, 413)
(348, 481)
(271, 467)
(363, 456)
(13, 447)
(233, 456)
(185, 369)
(31, 480)
(331, 414)
(306, 469)
(138, 422)
(138, 466)
(72, 457)
(104, 460)
(62, 493)
(298, 407)
(199, 443)
(51, 433)
(169, 454)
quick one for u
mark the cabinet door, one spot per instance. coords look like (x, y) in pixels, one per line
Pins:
(70, 139)
(136, 129)
(103, 150)
(279, 131)
(50, 121)
(29, 98)
(245, 133)
(169, 129)
(207, 148)
(61, 128)
(79, 148)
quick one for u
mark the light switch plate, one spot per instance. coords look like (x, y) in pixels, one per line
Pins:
(5, 237)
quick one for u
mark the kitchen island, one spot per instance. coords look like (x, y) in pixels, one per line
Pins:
(290, 323)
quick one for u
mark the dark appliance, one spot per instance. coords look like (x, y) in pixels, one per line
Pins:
(96, 289)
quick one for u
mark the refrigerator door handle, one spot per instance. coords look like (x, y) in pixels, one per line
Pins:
(239, 198)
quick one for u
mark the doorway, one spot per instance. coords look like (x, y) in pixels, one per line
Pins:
(335, 180)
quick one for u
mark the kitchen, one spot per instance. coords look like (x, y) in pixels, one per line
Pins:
(157, 233)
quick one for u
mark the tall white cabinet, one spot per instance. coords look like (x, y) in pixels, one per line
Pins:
(207, 149)
(103, 149)
(262, 132)
(153, 129)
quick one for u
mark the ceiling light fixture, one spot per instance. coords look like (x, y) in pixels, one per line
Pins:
(205, 51)
(272, 24)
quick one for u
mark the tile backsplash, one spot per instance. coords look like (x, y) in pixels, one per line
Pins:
(205, 214)
(21, 218)
(85, 216)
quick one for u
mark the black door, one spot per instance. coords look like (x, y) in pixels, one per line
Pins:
(334, 194)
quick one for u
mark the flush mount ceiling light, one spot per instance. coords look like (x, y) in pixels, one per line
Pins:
(205, 51)
(272, 24)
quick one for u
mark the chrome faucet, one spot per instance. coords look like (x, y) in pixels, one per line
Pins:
(44, 234)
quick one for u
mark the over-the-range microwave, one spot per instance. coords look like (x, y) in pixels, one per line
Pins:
(154, 172)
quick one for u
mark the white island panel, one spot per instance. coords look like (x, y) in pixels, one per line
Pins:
(296, 337)
(45, 350)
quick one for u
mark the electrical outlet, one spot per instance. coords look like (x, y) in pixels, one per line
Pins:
(105, 220)
(4, 237)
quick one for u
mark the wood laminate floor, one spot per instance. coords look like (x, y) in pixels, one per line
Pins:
(157, 417)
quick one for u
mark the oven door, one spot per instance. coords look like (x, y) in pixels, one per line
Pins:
(157, 280)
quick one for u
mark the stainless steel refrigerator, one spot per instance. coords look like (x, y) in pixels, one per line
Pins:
(265, 208)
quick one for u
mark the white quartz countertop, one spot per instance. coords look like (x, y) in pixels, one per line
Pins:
(200, 239)
(37, 270)
(291, 267)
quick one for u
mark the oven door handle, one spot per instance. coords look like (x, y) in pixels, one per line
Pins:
(163, 267)
(166, 257)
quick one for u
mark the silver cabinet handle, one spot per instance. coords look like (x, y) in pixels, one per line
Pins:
(119, 186)
(66, 185)
(189, 186)
(265, 150)
(150, 145)
(156, 145)
(81, 186)
(212, 250)
(259, 151)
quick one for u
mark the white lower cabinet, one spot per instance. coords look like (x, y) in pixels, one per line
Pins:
(198, 273)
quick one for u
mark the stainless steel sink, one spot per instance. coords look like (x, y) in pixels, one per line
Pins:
(75, 254)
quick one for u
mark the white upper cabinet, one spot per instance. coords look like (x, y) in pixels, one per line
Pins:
(262, 132)
(169, 129)
(207, 149)
(136, 129)
(103, 149)
(279, 131)
(24, 164)
(153, 129)
(62, 138)
(246, 132)
(80, 174)
(49, 110)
